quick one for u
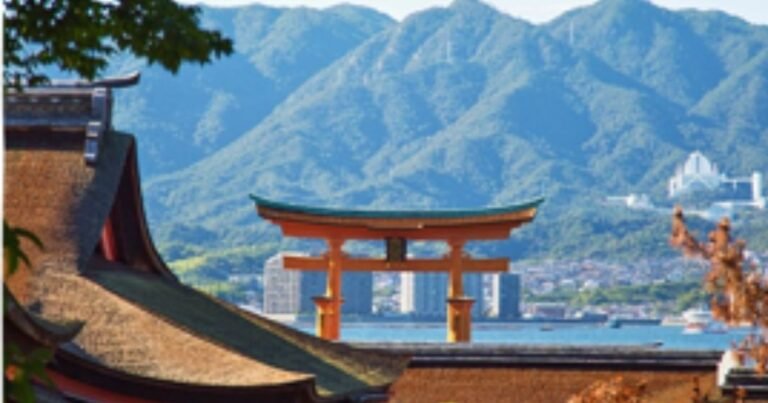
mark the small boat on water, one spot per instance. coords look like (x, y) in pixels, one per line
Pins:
(613, 323)
(698, 321)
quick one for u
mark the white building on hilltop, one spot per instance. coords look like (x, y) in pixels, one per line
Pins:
(715, 195)
(697, 173)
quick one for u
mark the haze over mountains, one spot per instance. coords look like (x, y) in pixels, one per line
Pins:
(452, 107)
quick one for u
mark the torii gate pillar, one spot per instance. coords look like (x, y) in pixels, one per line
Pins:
(329, 306)
(459, 308)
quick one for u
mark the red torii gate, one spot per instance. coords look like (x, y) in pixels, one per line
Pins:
(455, 227)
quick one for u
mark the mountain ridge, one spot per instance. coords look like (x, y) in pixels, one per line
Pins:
(464, 107)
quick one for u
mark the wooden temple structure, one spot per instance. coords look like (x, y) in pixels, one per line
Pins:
(396, 228)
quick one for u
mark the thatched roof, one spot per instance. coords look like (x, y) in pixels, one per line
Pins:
(50, 191)
(122, 335)
(338, 369)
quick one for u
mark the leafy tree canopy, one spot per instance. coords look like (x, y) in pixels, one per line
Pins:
(79, 35)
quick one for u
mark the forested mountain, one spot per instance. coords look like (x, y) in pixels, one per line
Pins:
(184, 118)
(461, 106)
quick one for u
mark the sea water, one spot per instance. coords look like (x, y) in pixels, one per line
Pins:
(664, 337)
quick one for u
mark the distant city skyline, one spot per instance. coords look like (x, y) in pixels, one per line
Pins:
(536, 11)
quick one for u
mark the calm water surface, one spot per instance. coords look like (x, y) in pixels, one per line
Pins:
(671, 337)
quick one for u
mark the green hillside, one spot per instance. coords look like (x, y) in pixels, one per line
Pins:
(186, 117)
(456, 107)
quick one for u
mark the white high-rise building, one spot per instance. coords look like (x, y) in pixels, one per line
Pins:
(505, 296)
(356, 291)
(757, 190)
(430, 292)
(406, 292)
(290, 292)
(425, 294)
(282, 288)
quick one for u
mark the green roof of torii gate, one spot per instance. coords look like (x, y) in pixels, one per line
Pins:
(395, 214)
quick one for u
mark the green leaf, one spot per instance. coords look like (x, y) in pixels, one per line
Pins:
(23, 233)
(12, 246)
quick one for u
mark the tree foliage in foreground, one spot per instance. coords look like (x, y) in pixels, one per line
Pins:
(20, 368)
(738, 287)
(78, 36)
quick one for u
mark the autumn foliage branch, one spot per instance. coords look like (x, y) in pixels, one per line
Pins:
(739, 289)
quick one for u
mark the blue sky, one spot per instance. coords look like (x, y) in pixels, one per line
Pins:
(755, 11)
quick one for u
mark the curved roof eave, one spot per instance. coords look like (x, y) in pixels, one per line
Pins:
(395, 214)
